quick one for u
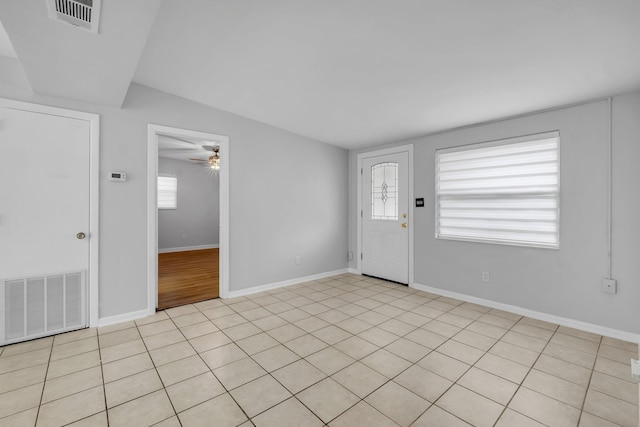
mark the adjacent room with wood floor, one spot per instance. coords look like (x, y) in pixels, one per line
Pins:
(188, 220)
(187, 277)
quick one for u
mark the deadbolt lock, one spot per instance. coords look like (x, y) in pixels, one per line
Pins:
(404, 225)
(81, 236)
(404, 216)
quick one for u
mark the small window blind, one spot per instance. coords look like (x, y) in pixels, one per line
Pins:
(167, 192)
(504, 192)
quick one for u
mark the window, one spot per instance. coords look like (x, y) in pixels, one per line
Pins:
(167, 192)
(504, 192)
(384, 191)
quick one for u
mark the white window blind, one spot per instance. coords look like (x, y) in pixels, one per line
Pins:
(503, 192)
(167, 192)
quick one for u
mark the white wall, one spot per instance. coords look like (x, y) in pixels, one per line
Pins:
(196, 220)
(287, 193)
(564, 282)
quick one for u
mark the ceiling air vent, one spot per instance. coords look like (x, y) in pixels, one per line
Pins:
(81, 13)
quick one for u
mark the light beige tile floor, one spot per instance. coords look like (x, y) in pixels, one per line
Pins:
(342, 351)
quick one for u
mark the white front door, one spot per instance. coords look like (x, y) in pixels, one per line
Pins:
(44, 209)
(385, 202)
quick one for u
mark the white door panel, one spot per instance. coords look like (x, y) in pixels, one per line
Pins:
(385, 202)
(44, 203)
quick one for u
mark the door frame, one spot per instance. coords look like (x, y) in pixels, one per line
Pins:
(93, 274)
(361, 156)
(152, 211)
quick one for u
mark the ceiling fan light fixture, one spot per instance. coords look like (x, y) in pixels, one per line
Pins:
(214, 160)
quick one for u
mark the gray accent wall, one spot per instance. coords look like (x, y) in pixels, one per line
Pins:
(288, 195)
(564, 282)
(196, 220)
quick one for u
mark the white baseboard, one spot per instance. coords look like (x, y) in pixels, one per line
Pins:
(187, 248)
(564, 321)
(353, 271)
(124, 317)
(270, 286)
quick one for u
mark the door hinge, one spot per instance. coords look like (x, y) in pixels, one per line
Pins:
(361, 255)
(361, 214)
(361, 171)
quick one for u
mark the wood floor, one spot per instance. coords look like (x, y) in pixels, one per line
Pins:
(187, 277)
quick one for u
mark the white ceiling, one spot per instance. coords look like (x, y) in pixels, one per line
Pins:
(68, 62)
(6, 49)
(361, 72)
(183, 148)
(352, 73)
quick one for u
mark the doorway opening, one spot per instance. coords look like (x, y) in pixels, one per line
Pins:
(188, 216)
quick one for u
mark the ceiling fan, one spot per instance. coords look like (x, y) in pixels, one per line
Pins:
(213, 160)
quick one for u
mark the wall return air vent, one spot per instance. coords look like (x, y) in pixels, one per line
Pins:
(81, 13)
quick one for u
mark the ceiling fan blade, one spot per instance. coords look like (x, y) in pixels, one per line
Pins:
(175, 138)
(199, 160)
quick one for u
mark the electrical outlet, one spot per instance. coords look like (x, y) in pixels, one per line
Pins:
(609, 286)
(486, 277)
(298, 260)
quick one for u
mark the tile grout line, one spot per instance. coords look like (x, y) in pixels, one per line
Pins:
(295, 395)
(209, 368)
(467, 370)
(336, 291)
(280, 343)
(345, 367)
(56, 378)
(82, 370)
(485, 352)
(358, 360)
(431, 351)
(304, 358)
(164, 388)
(520, 385)
(131, 356)
(44, 383)
(586, 391)
(556, 330)
(104, 385)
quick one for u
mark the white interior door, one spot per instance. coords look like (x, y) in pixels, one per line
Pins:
(44, 205)
(385, 203)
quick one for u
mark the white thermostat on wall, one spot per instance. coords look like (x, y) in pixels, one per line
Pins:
(117, 176)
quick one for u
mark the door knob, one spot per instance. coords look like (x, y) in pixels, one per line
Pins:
(404, 225)
(81, 235)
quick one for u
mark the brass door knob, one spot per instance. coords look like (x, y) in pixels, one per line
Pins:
(81, 236)
(404, 225)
